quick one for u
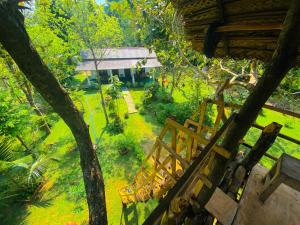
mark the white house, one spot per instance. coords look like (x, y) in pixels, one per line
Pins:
(120, 61)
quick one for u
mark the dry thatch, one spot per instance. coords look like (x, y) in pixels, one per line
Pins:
(235, 28)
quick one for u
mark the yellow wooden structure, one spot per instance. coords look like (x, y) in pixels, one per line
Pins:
(173, 152)
(176, 148)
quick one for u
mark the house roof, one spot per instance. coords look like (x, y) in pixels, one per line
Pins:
(117, 64)
(119, 58)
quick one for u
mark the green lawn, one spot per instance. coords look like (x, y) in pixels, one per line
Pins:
(64, 197)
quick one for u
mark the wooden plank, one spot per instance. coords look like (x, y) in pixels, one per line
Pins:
(182, 183)
(174, 154)
(173, 144)
(266, 106)
(282, 208)
(279, 135)
(161, 166)
(222, 207)
(249, 27)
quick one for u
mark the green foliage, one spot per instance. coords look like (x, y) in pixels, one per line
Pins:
(92, 28)
(20, 176)
(116, 126)
(125, 143)
(14, 118)
(150, 94)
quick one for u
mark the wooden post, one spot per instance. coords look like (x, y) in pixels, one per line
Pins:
(262, 145)
(284, 58)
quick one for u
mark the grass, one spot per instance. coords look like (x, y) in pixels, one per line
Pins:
(64, 197)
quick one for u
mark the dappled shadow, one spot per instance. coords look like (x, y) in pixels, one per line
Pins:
(129, 215)
(15, 214)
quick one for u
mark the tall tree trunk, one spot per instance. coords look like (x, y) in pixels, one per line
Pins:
(15, 40)
(283, 59)
(100, 86)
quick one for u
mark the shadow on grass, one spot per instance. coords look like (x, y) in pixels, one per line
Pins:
(15, 214)
(130, 214)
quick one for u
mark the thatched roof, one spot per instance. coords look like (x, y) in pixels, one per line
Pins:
(235, 28)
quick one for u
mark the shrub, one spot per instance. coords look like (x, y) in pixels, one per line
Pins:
(141, 84)
(126, 115)
(128, 84)
(150, 93)
(126, 143)
(163, 96)
(116, 126)
(142, 111)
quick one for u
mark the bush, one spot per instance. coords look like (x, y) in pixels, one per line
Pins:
(141, 84)
(142, 111)
(137, 106)
(126, 143)
(126, 115)
(163, 96)
(180, 111)
(128, 84)
(116, 126)
(150, 93)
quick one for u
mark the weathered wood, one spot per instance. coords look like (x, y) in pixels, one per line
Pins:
(249, 27)
(222, 207)
(282, 208)
(262, 145)
(286, 171)
(174, 154)
(283, 59)
(279, 135)
(180, 185)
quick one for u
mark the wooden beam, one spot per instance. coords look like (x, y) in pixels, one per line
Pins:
(182, 183)
(279, 135)
(174, 154)
(249, 27)
(262, 145)
(283, 59)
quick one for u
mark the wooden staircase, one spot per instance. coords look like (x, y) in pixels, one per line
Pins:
(171, 155)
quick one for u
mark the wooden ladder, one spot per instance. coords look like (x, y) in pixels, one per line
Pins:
(171, 155)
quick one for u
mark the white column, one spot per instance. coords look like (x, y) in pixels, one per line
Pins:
(132, 75)
(109, 72)
(121, 73)
(87, 78)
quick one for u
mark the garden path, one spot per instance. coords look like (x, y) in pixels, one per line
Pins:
(129, 100)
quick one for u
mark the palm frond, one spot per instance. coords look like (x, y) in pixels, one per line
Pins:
(6, 153)
(37, 169)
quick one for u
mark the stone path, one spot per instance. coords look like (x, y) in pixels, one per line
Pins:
(129, 101)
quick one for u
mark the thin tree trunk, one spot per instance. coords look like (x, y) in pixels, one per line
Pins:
(23, 144)
(283, 59)
(15, 40)
(100, 87)
(28, 93)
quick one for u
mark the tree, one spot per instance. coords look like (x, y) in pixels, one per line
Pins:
(96, 32)
(16, 41)
(11, 73)
(13, 118)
